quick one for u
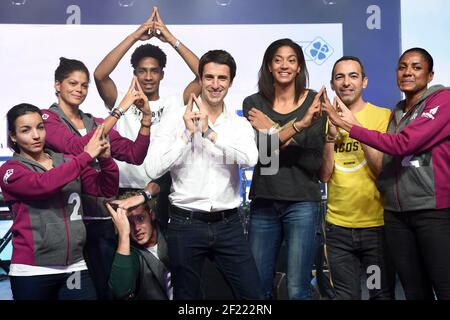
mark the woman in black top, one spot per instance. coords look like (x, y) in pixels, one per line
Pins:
(285, 188)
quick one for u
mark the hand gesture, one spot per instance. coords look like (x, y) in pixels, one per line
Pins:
(314, 110)
(135, 96)
(96, 144)
(142, 100)
(340, 115)
(159, 29)
(129, 202)
(144, 32)
(107, 152)
(120, 219)
(190, 116)
(201, 119)
(259, 120)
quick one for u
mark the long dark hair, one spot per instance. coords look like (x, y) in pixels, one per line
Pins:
(266, 81)
(12, 115)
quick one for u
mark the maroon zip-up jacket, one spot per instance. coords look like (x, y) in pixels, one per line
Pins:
(48, 229)
(416, 164)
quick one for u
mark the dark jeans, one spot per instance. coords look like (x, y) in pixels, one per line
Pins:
(99, 250)
(419, 243)
(190, 241)
(348, 251)
(63, 286)
(323, 279)
(162, 202)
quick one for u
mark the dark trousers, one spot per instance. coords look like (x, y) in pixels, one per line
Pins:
(350, 250)
(63, 286)
(99, 250)
(162, 202)
(191, 240)
(419, 243)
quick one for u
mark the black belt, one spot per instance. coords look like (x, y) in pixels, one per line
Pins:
(204, 216)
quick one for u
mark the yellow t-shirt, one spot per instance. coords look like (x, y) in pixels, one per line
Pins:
(353, 198)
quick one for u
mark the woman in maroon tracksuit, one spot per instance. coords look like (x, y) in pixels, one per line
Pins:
(43, 189)
(68, 130)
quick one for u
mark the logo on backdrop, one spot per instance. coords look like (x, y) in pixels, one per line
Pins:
(318, 51)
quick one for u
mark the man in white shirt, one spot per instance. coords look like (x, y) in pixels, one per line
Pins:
(148, 62)
(203, 147)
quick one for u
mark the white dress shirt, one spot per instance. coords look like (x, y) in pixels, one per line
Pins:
(205, 175)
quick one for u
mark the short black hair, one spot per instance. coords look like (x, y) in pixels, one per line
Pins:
(12, 115)
(219, 57)
(150, 51)
(424, 53)
(347, 58)
(67, 66)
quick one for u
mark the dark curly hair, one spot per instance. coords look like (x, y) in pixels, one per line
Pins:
(151, 51)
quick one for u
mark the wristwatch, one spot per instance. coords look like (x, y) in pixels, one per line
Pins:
(207, 132)
(147, 195)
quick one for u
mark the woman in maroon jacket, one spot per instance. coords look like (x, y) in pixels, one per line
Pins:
(65, 122)
(69, 129)
(43, 189)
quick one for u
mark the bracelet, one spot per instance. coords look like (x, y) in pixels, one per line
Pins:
(329, 140)
(119, 110)
(295, 128)
(177, 44)
(122, 112)
(207, 133)
(115, 114)
(146, 194)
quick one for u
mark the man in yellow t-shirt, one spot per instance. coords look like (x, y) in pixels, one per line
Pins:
(354, 232)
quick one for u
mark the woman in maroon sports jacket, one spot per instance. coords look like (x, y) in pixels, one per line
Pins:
(43, 189)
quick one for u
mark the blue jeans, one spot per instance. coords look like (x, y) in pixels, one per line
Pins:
(272, 221)
(190, 241)
(62, 286)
